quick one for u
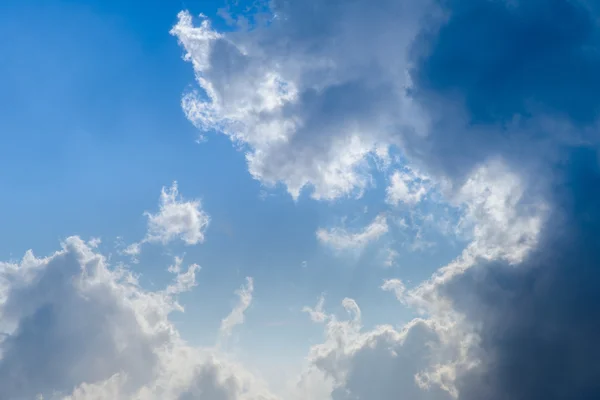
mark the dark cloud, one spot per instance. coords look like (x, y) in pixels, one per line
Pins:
(539, 321)
(506, 77)
(519, 79)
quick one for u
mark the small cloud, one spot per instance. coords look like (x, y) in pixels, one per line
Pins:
(317, 314)
(341, 239)
(236, 317)
(391, 256)
(201, 139)
(184, 281)
(396, 286)
(407, 186)
(176, 219)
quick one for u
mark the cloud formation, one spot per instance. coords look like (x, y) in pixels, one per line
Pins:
(75, 328)
(307, 105)
(407, 186)
(382, 363)
(497, 98)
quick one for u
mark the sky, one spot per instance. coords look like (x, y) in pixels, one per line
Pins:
(299, 199)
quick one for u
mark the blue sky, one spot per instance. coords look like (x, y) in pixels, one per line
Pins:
(400, 160)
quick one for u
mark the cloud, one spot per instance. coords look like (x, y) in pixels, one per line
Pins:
(74, 328)
(310, 106)
(533, 317)
(176, 219)
(382, 363)
(236, 317)
(184, 281)
(341, 239)
(407, 186)
(317, 314)
(396, 286)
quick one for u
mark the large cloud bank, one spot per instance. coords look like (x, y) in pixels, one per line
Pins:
(499, 100)
(76, 329)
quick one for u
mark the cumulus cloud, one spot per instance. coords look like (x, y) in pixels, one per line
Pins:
(530, 315)
(341, 239)
(184, 281)
(75, 328)
(492, 96)
(176, 219)
(498, 215)
(381, 363)
(302, 98)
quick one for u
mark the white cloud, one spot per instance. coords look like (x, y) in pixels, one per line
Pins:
(236, 317)
(497, 216)
(407, 186)
(428, 356)
(310, 108)
(176, 219)
(341, 239)
(74, 328)
(383, 363)
(396, 286)
(317, 314)
(321, 87)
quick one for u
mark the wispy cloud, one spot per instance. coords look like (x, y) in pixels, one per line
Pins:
(342, 239)
(236, 317)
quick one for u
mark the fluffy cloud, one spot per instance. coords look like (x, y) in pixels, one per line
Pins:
(176, 219)
(74, 328)
(431, 357)
(341, 239)
(302, 97)
(382, 363)
(407, 186)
